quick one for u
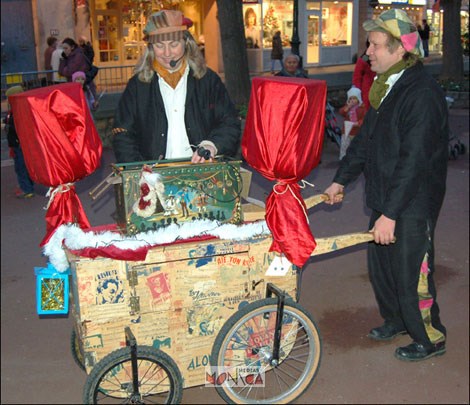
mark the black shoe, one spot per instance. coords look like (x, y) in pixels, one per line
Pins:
(386, 332)
(416, 351)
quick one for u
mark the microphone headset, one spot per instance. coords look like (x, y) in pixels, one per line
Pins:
(174, 62)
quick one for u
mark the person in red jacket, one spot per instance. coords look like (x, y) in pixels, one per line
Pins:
(353, 113)
(363, 77)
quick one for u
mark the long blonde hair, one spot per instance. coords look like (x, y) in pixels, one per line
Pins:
(144, 68)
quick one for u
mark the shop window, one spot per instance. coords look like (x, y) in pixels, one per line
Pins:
(133, 24)
(277, 16)
(108, 38)
(252, 18)
(336, 23)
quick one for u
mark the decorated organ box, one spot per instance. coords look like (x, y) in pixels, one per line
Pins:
(152, 195)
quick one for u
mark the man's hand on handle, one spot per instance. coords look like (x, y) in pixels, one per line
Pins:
(335, 193)
(384, 230)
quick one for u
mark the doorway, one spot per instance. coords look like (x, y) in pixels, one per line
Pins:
(313, 37)
(18, 43)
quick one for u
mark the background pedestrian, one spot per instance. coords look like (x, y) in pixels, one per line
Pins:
(363, 76)
(291, 67)
(277, 51)
(26, 185)
(51, 47)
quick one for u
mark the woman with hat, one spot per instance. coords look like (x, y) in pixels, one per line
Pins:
(174, 104)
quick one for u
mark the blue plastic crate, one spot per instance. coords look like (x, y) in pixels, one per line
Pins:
(52, 290)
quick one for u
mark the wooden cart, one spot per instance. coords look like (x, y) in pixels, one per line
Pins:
(213, 312)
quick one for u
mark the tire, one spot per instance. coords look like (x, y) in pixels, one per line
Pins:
(110, 381)
(77, 353)
(241, 342)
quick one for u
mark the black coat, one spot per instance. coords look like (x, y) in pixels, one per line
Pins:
(277, 50)
(403, 149)
(209, 115)
(12, 136)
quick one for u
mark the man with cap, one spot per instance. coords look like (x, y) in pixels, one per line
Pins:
(26, 185)
(174, 104)
(402, 150)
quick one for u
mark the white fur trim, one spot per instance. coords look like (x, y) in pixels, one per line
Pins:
(74, 238)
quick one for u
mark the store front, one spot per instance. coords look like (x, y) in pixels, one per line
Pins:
(326, 30)
(417, 10)
(117, 28)
(428, 10)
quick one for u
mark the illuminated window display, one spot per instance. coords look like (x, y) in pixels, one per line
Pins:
(336, 23)
(277, 16)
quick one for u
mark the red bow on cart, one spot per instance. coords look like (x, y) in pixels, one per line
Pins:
(283, 139)
(60, 145)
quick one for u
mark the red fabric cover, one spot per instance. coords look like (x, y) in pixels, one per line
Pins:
(60, 145)
(283, 139)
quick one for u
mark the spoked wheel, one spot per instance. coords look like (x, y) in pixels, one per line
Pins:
(77, 353)
(246, 342)
(158, 379)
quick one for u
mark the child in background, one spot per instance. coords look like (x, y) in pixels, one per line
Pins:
(353, 113)
(26, 185)
(80, 77)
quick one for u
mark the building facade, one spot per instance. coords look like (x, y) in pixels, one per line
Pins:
(329, 31)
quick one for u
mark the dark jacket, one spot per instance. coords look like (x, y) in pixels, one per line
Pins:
(12, 136)
(298, 73)
(209, 115)
(88, 51)
(277, 50)
(402, 149)
(424, 32)
(75, 62)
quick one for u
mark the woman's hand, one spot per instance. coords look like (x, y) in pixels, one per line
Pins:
(197, 158)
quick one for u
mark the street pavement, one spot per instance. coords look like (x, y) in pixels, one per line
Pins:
(36, 362)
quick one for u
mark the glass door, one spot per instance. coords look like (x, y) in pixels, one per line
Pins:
(313, 37)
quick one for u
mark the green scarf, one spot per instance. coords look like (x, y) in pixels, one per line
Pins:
(379, 86)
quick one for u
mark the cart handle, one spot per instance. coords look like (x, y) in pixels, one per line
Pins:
(334, 243)
(254, 212)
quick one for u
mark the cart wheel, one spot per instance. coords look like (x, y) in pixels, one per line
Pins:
(159, 379)
(246, 340)
(76, 350)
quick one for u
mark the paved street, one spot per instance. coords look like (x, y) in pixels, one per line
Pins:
(37, 365)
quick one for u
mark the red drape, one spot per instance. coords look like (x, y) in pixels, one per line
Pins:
(283, 139)
(60, 144)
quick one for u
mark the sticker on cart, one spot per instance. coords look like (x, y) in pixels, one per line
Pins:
(279, 266)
